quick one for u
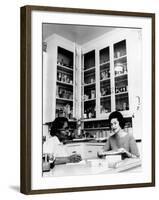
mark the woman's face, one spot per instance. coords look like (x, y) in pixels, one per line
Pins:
(114, 123)
(64, 132)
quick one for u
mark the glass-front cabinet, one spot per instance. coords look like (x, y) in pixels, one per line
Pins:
(87, 82)
(89, 86)
(105, 81)
(121, 76)
(64, 83)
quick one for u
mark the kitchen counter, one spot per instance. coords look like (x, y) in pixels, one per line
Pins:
(94, 166)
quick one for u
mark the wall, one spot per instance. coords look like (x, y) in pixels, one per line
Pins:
(10, 103)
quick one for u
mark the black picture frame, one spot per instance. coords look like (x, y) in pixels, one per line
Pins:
(26, 94)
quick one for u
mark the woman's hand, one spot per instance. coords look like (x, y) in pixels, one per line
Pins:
(123, 150)
(100, 154)
(75, 158)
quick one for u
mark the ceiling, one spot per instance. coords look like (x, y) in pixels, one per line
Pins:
(75, 33)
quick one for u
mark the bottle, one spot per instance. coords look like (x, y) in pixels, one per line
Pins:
(51, 161)
(59, 76)
(116, 90)
(46, 164)
(85, 114)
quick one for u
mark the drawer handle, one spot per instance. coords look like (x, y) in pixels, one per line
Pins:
(74, 152)
(90, 151)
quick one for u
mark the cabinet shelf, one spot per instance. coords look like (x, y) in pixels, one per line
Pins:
(103, 80)
(94, 119)
(119, 58)
(106, 96)
(64, 68)
(104, 63)
(98, 128)
(89, 100)
(121, 75)
(90, 69)
(121, 93)
(63, 100)
(89, 84)
(64, 83)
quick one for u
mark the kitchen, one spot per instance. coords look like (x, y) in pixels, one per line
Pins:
(89, 72)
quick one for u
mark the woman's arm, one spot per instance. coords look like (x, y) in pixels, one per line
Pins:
(61, 160)
(107, 145)
(133, 148)
(129, 155)
(105, 148)
(69, 159)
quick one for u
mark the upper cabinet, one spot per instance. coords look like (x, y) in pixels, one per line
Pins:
(90, 81)
(105, 81)
(121, 76)
(89, 85)
(111, 70)
(59, 83)
(64, 83)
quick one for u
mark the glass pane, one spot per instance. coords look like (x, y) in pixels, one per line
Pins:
(105, 105)
(64, 84)
(89, 109)
(120, 66)
(89, 87)
(120, 49)
(64, 57)
(89, 76)
(122, 102)
(121, 76)
(89, 60)
(104, 55)
(105, 88)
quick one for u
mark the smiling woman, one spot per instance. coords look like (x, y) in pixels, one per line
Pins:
(54, 144)
(120, 140)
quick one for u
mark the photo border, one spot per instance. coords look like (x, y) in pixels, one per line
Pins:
(26, 107)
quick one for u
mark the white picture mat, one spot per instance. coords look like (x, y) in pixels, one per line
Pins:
(39, 182)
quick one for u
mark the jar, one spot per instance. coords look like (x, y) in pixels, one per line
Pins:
(93, 94)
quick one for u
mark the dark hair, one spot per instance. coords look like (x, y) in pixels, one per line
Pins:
(119, 117)
(57, 124)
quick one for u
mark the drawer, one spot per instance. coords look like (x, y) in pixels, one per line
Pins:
(75, 149)
(84, 149)
(91, 151)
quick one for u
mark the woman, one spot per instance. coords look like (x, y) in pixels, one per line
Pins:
(54, 145)
(120, 141)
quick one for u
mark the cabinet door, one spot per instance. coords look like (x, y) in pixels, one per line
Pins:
(75, 149)
(86, 150)
(58, 78)
(114, 94)
(92, 149)
(105, 81)
(89, 86)
(121, 76)
(64, 83)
